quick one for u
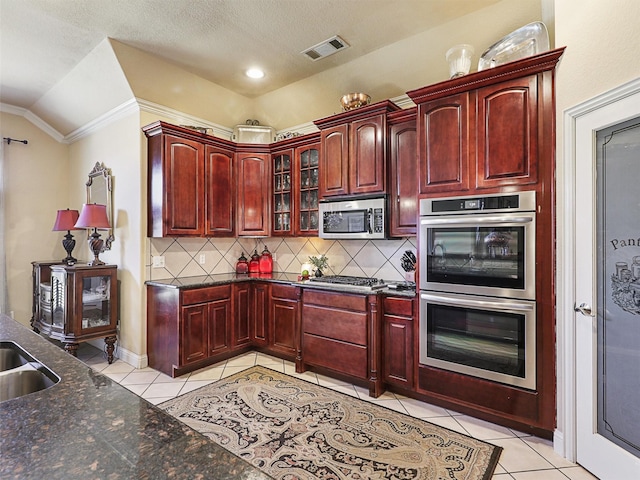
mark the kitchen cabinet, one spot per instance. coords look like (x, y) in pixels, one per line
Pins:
(399, 318)
(340, 332)
(191, 183)
(254, 192)
(353, 151)
(284, 320)
(250, 316)
(188, 329)
(403, 164)
(76, 303)
(295, 172)
(487, 130)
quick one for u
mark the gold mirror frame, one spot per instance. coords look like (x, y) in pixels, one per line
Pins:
(99, 191)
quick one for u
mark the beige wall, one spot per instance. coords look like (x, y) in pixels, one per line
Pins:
(118, 146)
(36, 186)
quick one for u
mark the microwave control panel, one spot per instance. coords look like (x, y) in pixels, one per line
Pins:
(378, 220)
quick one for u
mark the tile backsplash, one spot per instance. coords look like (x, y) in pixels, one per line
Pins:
(186, 257)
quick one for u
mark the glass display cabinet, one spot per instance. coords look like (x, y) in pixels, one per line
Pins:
(282, 194)
(308, 211)
(76, 303)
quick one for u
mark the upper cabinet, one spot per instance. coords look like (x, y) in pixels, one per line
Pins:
(295, 173)
(353, 151)
(486, 130)
(191, 183)
(403, 184)
(254, 192)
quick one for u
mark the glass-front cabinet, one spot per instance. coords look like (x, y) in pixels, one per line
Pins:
(76, 303)
(295, 186)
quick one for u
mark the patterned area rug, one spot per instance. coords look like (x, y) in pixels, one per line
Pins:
(292, 429)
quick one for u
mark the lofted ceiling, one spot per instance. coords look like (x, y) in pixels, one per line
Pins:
(41, 41)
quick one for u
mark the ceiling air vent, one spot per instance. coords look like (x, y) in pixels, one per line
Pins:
(326, 48)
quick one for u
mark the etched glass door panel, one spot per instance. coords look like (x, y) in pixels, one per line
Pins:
(618, 285)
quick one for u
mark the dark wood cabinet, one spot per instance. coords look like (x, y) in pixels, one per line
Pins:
(487, 130)
(76, 303)
(403, 164)
(398, 352)
(353, 151)
(191, 183)
(254, 193)
(282, 187)
(284, 320)
(187, 328)
(340, 332)
(250, 315)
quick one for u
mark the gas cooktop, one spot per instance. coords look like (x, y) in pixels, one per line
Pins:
(348, 281)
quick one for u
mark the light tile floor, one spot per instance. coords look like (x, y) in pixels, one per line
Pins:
(524, 457)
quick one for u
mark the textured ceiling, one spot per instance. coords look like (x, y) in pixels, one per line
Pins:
(43, 40)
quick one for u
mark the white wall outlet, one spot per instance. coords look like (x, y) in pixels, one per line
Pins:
(158, 261)
(202, 259)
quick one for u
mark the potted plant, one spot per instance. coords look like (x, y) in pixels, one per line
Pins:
(320, 263)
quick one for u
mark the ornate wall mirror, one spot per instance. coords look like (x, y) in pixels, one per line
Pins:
(99, 191)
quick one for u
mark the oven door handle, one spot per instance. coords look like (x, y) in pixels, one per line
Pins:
(479, 220)
(502, 305)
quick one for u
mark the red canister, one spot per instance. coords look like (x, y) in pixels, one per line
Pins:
(242, 265)
(254, 263)
(266, 261)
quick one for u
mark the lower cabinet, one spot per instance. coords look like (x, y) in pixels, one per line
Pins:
(283, 320)
(250, 316)
(340, 333)
(187, 328)
(398, 353)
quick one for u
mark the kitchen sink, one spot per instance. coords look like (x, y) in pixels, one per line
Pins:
(21, 374)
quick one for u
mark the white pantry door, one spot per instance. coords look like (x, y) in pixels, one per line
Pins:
(607, 289)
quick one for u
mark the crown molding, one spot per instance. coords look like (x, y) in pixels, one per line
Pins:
(182, 118)
(31, 117)
(124, 109)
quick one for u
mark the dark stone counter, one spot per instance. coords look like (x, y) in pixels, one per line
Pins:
(276, 277)
(89, 427)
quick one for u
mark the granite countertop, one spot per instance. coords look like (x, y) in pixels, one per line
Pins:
(276, 277)
(89, 427)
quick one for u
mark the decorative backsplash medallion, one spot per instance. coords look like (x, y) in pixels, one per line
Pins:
(187, 257)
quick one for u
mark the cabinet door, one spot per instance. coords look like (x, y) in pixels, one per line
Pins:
(183, 186)
(282, 188)
(220, 192)
(241, 317)
(403, 163)
(258, 315)
(334, 161)
(283, 319)
(193, 332)
(398, 354)
(306, 166)
(507, 129)
(253, 194)
(444, 145)
(367, 168)
(219, 335)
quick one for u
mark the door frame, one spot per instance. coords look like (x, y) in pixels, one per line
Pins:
(579, 123)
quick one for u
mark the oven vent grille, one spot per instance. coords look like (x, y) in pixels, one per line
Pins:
(326, 48)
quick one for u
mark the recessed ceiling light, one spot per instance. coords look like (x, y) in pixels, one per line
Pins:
(255, 73)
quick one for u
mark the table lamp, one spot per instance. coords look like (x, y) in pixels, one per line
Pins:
(94, 216)
(66, 220)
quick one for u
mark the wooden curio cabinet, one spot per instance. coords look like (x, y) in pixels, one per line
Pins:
(282, 167)
(353, 151)
(78, 303)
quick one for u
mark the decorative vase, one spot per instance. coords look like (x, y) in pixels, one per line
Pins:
(318, 272)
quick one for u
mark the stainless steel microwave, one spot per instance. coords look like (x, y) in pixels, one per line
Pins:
(353, 219)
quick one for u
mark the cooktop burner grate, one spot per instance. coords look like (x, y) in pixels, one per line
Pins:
(345, 280)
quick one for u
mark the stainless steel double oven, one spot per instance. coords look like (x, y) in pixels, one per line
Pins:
(477, 286)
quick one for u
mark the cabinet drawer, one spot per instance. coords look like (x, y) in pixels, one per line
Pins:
(283, 291)
(207, 294)
(336, 355)
(336, 300)
(338, 324)
(398, 306)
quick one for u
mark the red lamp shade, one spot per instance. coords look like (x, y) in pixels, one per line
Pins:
(93, 215)
(66, 220)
